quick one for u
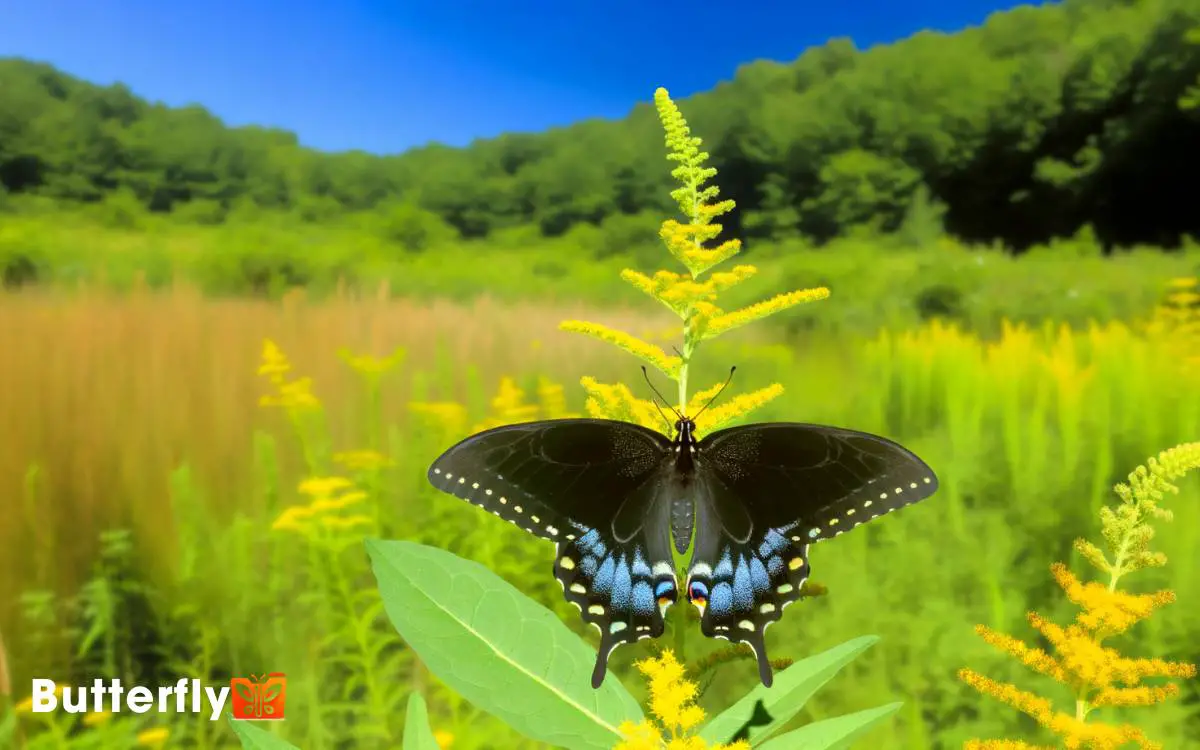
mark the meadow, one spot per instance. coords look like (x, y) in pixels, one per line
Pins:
(188, 480)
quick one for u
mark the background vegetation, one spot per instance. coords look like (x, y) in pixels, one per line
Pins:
(961, 195)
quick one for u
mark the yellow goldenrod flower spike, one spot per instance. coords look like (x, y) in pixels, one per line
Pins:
(728, 321)
(617, 402)
(643, 350)
(274, 362)
(738, 406)
(672, 704)
(1099, 675)
(686, 243)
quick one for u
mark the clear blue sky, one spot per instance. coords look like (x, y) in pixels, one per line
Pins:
(387, 76)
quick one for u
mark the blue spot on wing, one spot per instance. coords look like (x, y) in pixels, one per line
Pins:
(622, 590)
(743, 594)
(589, 566)
(604, 579)
(724, 568)
(772, 543)
(720, 604)
(640, 568)
(592, 544)
(758, 576)
(775, 565)
(643, 598)
(663, 588)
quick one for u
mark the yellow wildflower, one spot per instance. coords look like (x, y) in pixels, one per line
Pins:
(443, 738)
(644, 350)
(324, 486)
(153, 737)
(1098, 675)
(616, 401)
(728, 321)
(274, 362)
(739, 406)
(672, 703)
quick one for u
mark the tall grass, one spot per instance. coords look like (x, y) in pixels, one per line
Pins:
(140, 413)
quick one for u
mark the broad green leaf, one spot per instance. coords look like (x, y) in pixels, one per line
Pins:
(256, 738)
(499, 649)
(783, 700)
(837, 733)
(417, 734)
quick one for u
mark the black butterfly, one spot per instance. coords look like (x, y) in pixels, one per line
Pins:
(614, 496)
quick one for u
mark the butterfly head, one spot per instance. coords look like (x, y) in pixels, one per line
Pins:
(685, 431)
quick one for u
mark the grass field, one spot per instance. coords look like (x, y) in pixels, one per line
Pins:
(142, 479)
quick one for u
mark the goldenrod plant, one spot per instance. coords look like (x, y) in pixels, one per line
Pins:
(686, 295)
(1096, 675)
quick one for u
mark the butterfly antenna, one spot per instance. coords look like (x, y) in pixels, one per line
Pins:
(718, 393)
(646, 375)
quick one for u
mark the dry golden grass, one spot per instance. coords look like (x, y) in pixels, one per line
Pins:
(108, 394)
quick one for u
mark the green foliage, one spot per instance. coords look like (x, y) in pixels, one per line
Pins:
(1025, 128)
(489, 642)
(257, 738)
(417, 734)
(413, 228)
(837, 733)
(783, 700)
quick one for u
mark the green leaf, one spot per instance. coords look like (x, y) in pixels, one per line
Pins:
(255, 738)
(498, 648)
(417, 734)
(783, 700)
(832, 734)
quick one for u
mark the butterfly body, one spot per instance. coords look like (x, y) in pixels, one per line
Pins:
(615, 498)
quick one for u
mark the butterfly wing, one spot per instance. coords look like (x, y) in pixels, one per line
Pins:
(765, 492)
(592, 487)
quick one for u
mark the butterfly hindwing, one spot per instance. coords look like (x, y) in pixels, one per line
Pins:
(624, 589)
(741, 587)
(765, 492)
(546, 476)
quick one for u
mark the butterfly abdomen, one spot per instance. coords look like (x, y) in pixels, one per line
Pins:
(683, 519)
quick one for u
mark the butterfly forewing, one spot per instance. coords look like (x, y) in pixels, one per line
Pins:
(825, 479)
(798, 484)
(542, 476)
(592, 487)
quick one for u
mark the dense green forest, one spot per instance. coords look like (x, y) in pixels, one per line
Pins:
(1039, 122)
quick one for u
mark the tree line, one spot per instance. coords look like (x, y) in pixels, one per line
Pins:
(1031, 126)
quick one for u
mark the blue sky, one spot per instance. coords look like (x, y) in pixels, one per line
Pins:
(387, 76)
